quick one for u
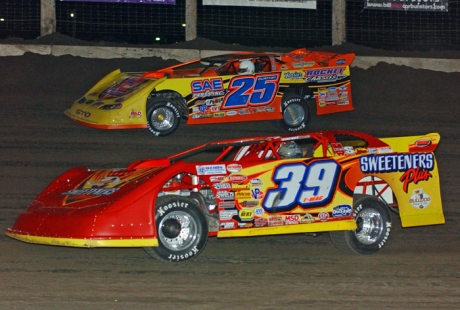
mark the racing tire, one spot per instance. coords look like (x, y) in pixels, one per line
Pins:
(373, 221)
(163, 116)
(181, 227)
(296, 114)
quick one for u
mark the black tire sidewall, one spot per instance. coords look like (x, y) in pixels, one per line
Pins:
(177, 203)
(377, 205)
(285, 104)
(168, 103)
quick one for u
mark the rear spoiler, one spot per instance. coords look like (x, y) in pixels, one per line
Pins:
(423, 143)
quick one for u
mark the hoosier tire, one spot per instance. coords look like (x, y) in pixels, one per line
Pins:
(296, 114)
(373, 221)
(163, 116)
(182, 229)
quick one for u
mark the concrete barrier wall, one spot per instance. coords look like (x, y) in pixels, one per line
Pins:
(364, 62)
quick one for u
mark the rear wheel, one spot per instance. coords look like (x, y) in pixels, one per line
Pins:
(182, 229)
(163, 116)
(296, 114)
(373, 221)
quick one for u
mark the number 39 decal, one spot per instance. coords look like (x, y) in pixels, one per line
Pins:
(299, 184)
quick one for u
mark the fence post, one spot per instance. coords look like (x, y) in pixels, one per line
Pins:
(339, 8)
(47, 17)
(190, 19)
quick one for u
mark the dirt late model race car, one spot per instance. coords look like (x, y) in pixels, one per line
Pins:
(244, 86)
(341, 182)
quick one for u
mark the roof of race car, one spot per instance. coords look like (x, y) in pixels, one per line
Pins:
(327, 136)
(235, 56)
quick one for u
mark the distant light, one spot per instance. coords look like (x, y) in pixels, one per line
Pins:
(2, 19)
(184, 25)
(72, 15)
(157, 39)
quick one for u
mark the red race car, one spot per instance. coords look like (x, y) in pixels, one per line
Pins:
(341, 182)
(237, 87)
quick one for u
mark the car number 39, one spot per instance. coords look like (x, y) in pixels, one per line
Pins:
(299, 184)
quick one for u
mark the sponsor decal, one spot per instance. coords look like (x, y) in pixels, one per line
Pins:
(213, 109)
(396, 162)
(323, 216)
(135, 114)
(236, 178)
(226, 204)
(307, 218)
(256, 193)
(324, 75)
(202, 108)
(256, 182)
(259, 222)
(269, 109)
(342, 211)
(227, 225)
(210, 169)
(275, 220)
(237, 187)
(243, 112)
(211, 85)
(91, 191)
(250, 203)
(220, 114)
(416, 167)
(225, 215)
(380, 150)
(242, 195)
(245, 225)
(303, 64)
(340, 61)
(218, 178)
(222, 186)
(291, 219)
(259, 212)
(246, 214)
(225, 195)
(231, 113)
(414, 175)
(103, 183)
(234, 168)
(293, 75)
(208, 94)
(423, 142)
(419, 199)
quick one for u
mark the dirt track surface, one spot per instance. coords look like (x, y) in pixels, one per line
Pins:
(419, 268)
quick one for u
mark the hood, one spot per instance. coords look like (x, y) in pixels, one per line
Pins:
(82, 188)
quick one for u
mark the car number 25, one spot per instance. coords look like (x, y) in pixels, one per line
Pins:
(300, 184)
(251, 90)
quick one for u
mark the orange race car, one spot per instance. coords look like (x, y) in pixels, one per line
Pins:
(341, 182)
(244, 86)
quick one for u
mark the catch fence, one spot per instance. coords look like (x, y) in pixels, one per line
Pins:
(136, 23)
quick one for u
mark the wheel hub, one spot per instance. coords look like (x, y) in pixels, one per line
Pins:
(171, 228)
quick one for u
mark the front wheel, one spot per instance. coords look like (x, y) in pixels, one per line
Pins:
(373, 221)
(182, 229)
(296, 114)
(163, 116)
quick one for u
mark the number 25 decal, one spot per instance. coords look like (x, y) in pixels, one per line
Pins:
(299, 184)
(258, 90)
